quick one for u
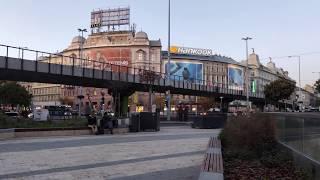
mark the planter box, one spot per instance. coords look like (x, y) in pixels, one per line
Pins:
(210, 121)
(47, 132)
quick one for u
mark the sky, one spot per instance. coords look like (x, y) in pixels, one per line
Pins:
(279, 28)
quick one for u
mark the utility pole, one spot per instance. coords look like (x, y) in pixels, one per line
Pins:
(221, 103)
(247, 71)
(80, 96)
(299, 64)
(168, 64)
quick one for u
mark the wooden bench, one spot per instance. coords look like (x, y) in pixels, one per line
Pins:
(212, 166)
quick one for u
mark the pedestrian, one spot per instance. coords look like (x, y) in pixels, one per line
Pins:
(186, 112)
(180, 112)
(87, 109)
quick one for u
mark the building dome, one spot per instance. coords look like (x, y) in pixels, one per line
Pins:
(141, 35)
(78, 40)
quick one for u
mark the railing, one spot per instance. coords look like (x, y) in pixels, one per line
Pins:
(301, 132)
(146, 76)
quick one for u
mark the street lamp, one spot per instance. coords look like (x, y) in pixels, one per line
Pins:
(221, 103)
(168, 64)
(247, 70)
(300, 93)
(80, 96)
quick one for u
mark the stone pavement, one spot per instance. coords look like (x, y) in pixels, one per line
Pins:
(173, 153)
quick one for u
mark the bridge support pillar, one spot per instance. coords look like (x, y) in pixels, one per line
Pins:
(124, 100)
(151, 99)
(120, 102)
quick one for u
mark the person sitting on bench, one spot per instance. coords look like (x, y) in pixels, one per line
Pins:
(92, 123)
(107, 119)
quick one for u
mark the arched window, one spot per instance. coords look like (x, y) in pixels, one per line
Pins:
(73, 58)
(141, 55)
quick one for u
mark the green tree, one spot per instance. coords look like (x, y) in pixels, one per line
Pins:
(279, 90)
(317, 85)
(14, 94)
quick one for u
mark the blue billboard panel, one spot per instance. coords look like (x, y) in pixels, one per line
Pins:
(187, 71)
(235, 77)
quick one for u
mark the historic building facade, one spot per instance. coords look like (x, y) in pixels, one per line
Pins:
(99, 50)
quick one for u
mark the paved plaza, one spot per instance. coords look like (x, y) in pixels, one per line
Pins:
(173, 153)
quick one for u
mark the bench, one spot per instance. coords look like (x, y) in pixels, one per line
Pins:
(212, 165)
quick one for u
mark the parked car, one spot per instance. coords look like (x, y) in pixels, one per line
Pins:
(289, 110)
(12, 114)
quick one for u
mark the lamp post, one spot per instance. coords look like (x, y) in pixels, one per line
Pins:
(168, 64)
(299, 64)
(247, 71)
(221, 103)
(80, 96)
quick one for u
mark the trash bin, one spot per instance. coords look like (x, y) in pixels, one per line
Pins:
(210, 121)
(145, 121)
(150, 121)
(134, 125)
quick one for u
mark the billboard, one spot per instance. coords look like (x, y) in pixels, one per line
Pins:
(187, 71)
(235, 77)
(191, 51)
(114, 56)
(110, 17)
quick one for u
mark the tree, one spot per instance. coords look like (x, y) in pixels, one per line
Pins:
(206, 102)
(317, 85)
(279, 90)
(14, 94)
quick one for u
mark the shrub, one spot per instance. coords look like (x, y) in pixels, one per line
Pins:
(252, 134)
(9, 122)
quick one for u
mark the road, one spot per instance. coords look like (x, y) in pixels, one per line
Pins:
(173, 153)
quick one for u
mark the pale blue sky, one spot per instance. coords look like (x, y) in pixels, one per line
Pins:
(279, 27)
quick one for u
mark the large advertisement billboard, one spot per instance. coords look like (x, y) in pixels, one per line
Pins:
(183, 70)
(114, 56)
(235, 77)
(110, 17)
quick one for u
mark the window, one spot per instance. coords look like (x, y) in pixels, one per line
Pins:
(141, 55)
(153, 57)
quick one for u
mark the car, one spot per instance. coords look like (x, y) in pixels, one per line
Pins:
(314, 109)
(289, 110)
(214, 110)
(12, 114)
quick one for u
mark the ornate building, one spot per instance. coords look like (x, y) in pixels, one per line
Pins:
(99, 50)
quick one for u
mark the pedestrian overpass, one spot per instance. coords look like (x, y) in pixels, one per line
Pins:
(43, 67)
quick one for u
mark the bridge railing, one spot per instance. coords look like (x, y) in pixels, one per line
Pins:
(79, 66)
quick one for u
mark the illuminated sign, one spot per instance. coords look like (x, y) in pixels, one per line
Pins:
(191, 51)
(254, 86)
